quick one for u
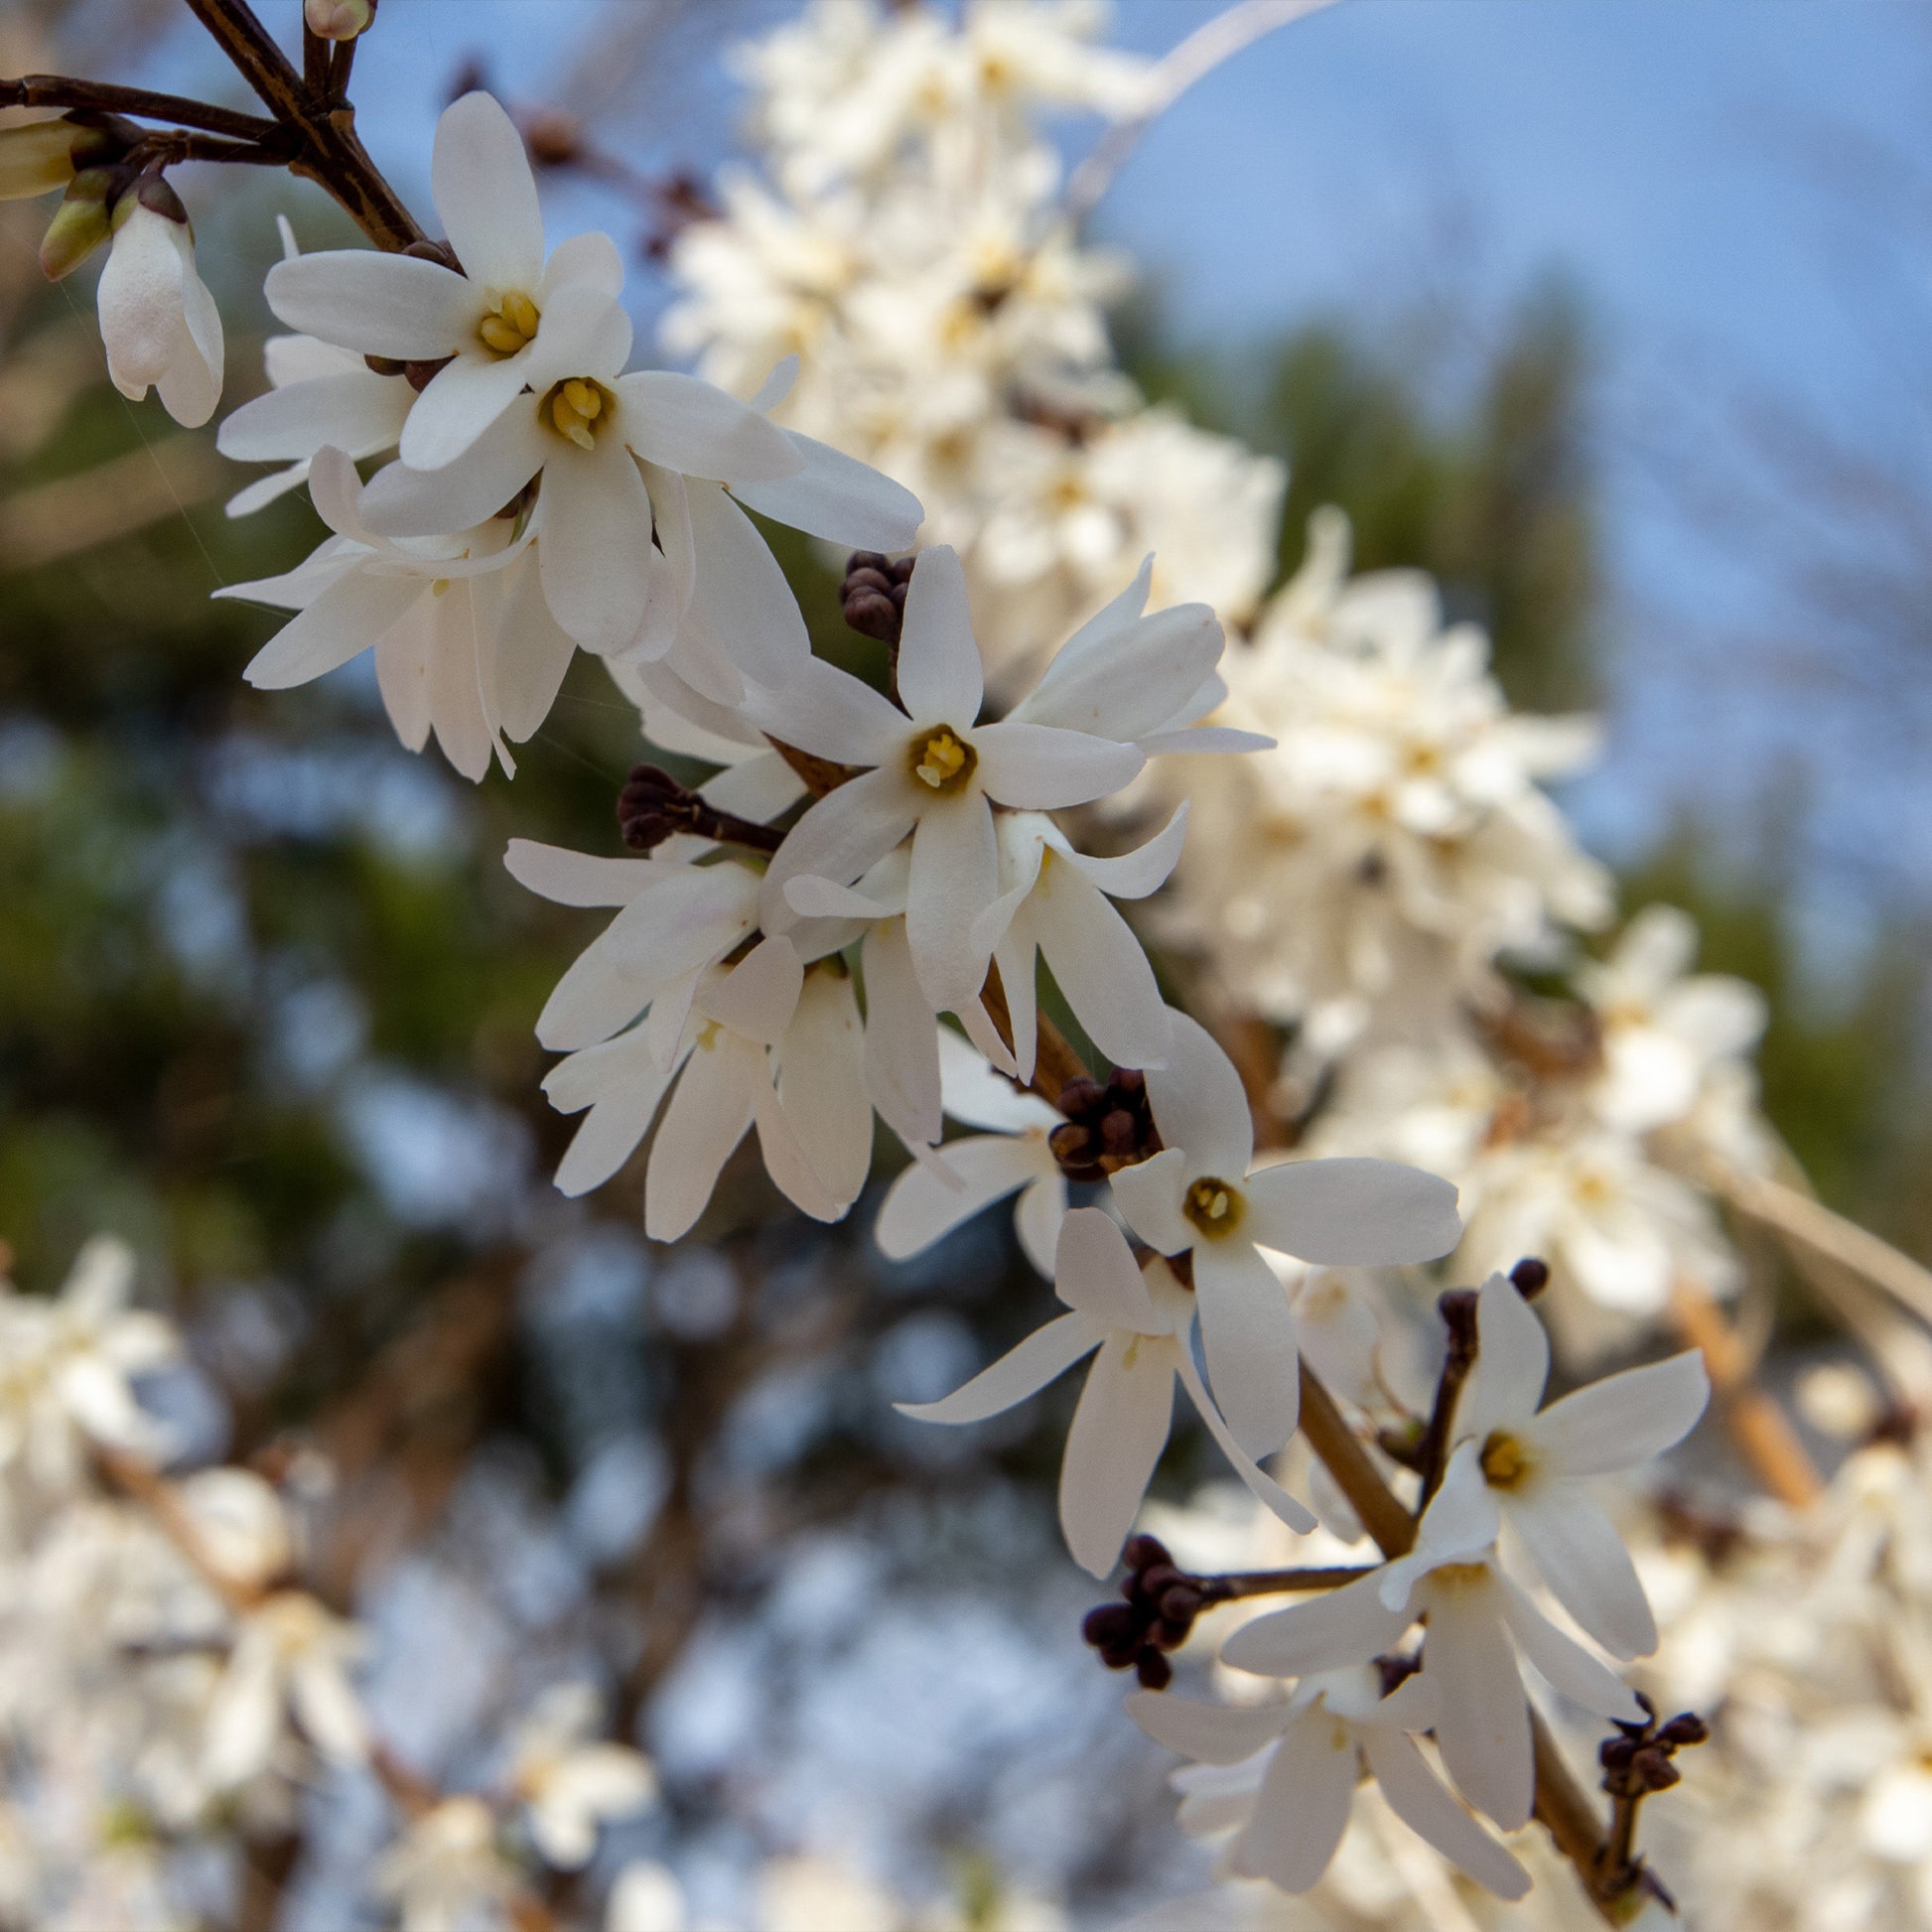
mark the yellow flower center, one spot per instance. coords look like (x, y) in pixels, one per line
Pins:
(1505, 1461)
(1460, 1576)
(576, 407)
(1214, 1206)
(510, 325)
(942, 760)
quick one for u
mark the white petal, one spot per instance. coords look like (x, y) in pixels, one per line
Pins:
(345, 620)
(408, 502)
(1352, 1212)
(1099, 966)
(1113, 1445)
(777, 386)
(698, 429)
(331, 1714)
(1016, 955)
(1134, 874)
(1288, 1509)
(838, 499)
(1483, 1723)
(1211, 1733)
(706, 1120)
(461, 400)
(483, 187)
(740, 595)
(923, 1206)
(140, 295)
(584, 332)
(1134, 686)
(354, 411)
(1200, 1104)
(1625, 1419)
(812, 897)
(901, 1054)
(831, 714)
(590, 259)
(593, 545)
(1024, 1371)
(1303, 1804)
(1095, 1272)
(822, 1082)
(1511, 1366)
(1463, 1521)
(532, 652)
(1201, 740)
(1349, 1626)
(1149, 1194)
(578, 879)
(792, 1168)
(940, 680)
(1579, 1554)
(847, 831)
(758, 788)
(1433, 1815)
(398, 306)
(1037, 1219)
(628, 1086)
(954, 878)
(1040, 768)
(758, 995)
(1248, 1334)
(980, 1097)
(1566, 1666)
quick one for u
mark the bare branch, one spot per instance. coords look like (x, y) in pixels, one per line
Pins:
(102, 96)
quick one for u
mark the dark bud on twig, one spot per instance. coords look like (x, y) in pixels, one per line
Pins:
(555, 139)
(1395, 1671)
(1154, 1670)
(872, 596)
(1457, 1308)
(1106, 1127)
(1530, 1277)
(652, 807)
(1156, 1613)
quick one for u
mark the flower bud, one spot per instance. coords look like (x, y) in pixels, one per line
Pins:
(36, 159)
(81, 223)
(337, 20)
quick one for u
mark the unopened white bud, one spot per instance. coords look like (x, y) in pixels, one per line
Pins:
(337, 20)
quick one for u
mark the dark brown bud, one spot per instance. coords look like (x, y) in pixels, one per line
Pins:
(1169, 1636)
(1144, 1551)
(1181, 1604)
(555, 139)
(1081, 1095)
(1530, 1277)
(1154, 1670)
(1107, 1625)
(1118, 1656)
(1654, 1770)
(1156, 1579)
(1615, 1754)
(1684, 1730)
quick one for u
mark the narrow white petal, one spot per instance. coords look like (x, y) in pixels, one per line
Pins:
(1430, 1812)
(739, 597)
(954, 878)
(980, 1097)
(940, 680)
(1248, 1334)
(462, 399)
(375, 304)
(901, 1054)
(843, 834)
(1482, 1722)
(1137, 684)
(1200, 739)
(838, 499)
(1100, 967)
(532, 650)
(1037, 1219)
(1211, 1733)
(1464, 1519)
(792, 1168)
(1564, 1664)
(1149, 1194)
(1303, 1804)
(584, 332)
(1511, 1366)
(1200, 1104)
(812, 897)
(1625, 1419)
(1579, 1554)
(707, 1118)
(480, 182)
(1134, 874)
(354, 411)
(590, 259)
(1095, 1272)
(758, 788)
(1038, 768)
(406, 502)
(1288, 1509)
(1349, 1626)
(1113, 1447)
(822, 1082)
(578, 879)
(345, 620)
(1016, 956)
(923, 1206)
(757, 996)
(1044, 1355)
(831, 714)
(1352, 1212)
(631, 1087)
(593, 545)
(692, 427)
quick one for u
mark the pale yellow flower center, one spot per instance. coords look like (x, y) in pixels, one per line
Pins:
(942, 760)
(577, 408)
(1505, 1461)
(510, 325)
(1214, 1206)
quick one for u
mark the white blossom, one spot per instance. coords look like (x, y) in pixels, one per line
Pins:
(158, 322)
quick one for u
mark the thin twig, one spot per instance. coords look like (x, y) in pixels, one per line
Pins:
(1276, 1583)
(102, 96)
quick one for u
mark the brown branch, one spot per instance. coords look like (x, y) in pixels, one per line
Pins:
(1226, 1588)
(104, 97)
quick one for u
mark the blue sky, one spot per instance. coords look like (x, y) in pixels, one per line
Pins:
(1646, 149)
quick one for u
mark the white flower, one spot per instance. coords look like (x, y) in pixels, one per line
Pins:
(932, 1197)
(446, 1868)
(570, 1781)
(1198, 1197)
(158, 322)
(1140, 1323)
(1534, 1463)
(1477, 1619)
(463, 643)
(1664, 1029)
(291, 1654)
(1300, 1761)
(645, 1896)
(65, 1368)
(934, 773)
(494, 319)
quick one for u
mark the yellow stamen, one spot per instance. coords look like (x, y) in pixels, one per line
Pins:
(521, 313)
(1214, 1206)
(1505, 1462)
(583, 398)
(510, 325)
(941, 760)
(573, 406)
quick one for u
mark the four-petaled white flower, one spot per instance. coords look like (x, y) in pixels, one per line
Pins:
(1285, 1775)
(570, 1781)
(1140, 1321)
(158, 322)
(1534, 1463)
(290, 1655)
(1477, 1620)
(1198, 1197)
(492, 319)
(933, 772)
(933, 1197)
